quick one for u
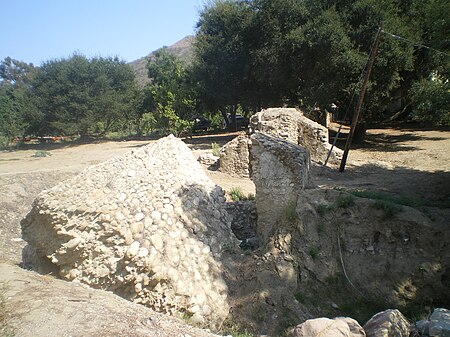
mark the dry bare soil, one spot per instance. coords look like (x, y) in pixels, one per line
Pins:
(403, 162)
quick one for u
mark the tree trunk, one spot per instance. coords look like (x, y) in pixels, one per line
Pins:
(360, 133)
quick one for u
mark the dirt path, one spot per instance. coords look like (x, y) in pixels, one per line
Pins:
(407, 163)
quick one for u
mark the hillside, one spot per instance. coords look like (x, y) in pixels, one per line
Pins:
(183, 49)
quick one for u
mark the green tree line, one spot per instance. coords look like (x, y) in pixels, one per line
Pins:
(248, 55)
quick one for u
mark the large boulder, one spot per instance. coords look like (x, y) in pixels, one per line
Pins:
(290, 124)
(388, 323)
(325, 327)
(280, 170)
(149, 225)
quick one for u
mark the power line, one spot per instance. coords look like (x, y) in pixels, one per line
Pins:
(415, 43)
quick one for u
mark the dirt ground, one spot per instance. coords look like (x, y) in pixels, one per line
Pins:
(403, 162)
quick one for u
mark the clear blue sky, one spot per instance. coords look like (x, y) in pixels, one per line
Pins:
(39, 30)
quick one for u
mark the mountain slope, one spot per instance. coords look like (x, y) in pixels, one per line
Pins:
(183, 49)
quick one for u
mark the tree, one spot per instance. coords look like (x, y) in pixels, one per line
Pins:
(305, 53)
(15, 77)
(169, 97)
(222, 59)
(81, 95)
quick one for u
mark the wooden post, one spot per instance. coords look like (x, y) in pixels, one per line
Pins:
(360, 100)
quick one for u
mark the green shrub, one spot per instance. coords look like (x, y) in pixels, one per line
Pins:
(401, 200)
(344, 201)
(215, 149)
(300, 297)
(290, 212)
(322, 209)
(431, 101)
(390, 208)
(314, 252)
(40, 154)
(236, 194)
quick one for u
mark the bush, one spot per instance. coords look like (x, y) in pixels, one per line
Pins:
(344, 201)
(215, 149)
(40, 154)
(390, 208)
(431, 102)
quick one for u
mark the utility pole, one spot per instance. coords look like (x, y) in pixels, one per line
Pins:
(361, 99)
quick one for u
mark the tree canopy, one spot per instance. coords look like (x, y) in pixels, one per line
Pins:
(78, 95)
(266, 52)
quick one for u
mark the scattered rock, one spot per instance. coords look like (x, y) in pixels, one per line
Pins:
(149, 225)
(338, 327)
(422, 328)
(388, 323)
(440, 323)
(208, 159)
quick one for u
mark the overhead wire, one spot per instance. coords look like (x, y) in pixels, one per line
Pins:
(362, 73)
(415, 43)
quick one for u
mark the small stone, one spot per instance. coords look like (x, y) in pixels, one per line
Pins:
(157, 241)
(71, 244)
(133, 250)
(156, 216)
(139, 216)
(143, 252)
(138, 287)
(137, 227)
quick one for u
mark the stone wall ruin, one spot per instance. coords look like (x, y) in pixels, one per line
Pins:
(149, 225)
(290, 124)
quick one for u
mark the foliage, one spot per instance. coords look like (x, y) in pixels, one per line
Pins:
(389, 208)
(11, 121)
(76, 94)
(344, 201)
(401, 200)
(307, 53)
(322, 208)
(314, 252)
(290, 212)
(215, 149)
(431, 101)
(236, 194)
(41, 154)
(221, 60)
(169, 97)
(15, 77)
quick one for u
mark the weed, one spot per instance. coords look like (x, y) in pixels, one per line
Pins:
(314, 252)
(390, 209)
(300, 297)
(236, 194)
(344, 201)
(215, 149)
(186, 316)
(251, 196)
(322, 209)
(5, 329)
(229, 247)
(401, 200)
(235, 329)
(290, 212)
(41, 153)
